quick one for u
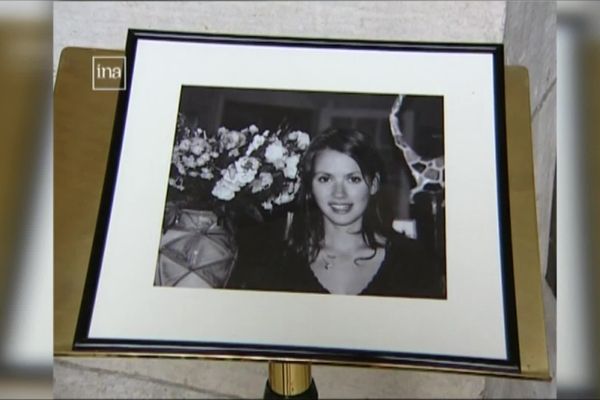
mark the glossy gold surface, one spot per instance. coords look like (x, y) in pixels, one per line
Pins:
(289, 378)
(83, 126)
(526, 258)
(83, 122)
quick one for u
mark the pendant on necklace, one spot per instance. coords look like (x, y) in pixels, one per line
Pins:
(326, 258)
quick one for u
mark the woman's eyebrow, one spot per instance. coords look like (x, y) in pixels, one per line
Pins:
(333, 173)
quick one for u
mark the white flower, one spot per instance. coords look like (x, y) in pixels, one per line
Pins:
(283, 198)
(231, 139)
(225, 189)
(184, 145)
(203, 159)
(303, 140)
(246, 168)
(295, 186)
(257, 141)
(176, 183)
(267, 205)
(253, 129)
(287, 195)
(198, 146)
(263, 181)
(291, 166)
(189, 161)
(275, 153)
(206, 173)
(180, 168)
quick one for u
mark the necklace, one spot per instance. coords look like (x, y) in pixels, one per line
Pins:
(330, 261)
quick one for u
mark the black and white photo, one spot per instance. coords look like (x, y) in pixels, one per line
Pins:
(305, 191)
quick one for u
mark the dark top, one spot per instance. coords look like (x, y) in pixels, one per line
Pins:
(406, 271)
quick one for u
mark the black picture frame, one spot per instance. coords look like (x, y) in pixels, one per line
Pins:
(340, 355)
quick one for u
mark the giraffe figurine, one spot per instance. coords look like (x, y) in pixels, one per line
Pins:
(425, 172)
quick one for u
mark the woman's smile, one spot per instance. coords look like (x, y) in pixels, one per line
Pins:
(341, 208)
(339, 189)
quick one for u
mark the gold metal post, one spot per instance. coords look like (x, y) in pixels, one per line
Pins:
(289, 379)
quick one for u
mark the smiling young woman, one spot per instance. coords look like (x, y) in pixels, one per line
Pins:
(339, 242)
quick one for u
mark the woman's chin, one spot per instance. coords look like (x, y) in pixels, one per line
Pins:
(343, 220)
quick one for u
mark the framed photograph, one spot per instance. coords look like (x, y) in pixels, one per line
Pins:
(323, 200)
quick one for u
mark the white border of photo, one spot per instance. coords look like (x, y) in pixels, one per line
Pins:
(469, 323)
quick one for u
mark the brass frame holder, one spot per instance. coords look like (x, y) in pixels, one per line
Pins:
(290, 380)
(80, 162)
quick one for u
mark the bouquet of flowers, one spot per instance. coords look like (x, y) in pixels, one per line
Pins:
(233, 170)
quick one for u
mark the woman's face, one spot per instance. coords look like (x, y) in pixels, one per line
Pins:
(340, 189)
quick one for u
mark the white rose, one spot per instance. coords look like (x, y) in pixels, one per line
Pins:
(263, 181)
(232, 140)
(206, 173)
(246, 168)
(203, 159)
(198, 146)
(303, 140)
(257, 141)
(189, 161)
(224, 190)
(274, 152)
(184, 145)
(283, 198)
(291, 166)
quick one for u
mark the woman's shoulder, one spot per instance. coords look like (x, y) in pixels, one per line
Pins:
(410, 269)
(291, 273)
(400, 244)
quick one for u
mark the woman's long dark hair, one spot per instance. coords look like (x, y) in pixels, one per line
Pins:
(306, 232)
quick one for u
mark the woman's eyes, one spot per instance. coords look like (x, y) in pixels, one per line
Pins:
(351, 179)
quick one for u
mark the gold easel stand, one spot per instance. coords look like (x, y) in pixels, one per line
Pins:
(289, 380)
(83, 122)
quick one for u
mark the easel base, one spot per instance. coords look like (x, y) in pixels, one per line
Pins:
(310, 393)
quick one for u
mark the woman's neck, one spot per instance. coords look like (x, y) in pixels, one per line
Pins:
(343, 238)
